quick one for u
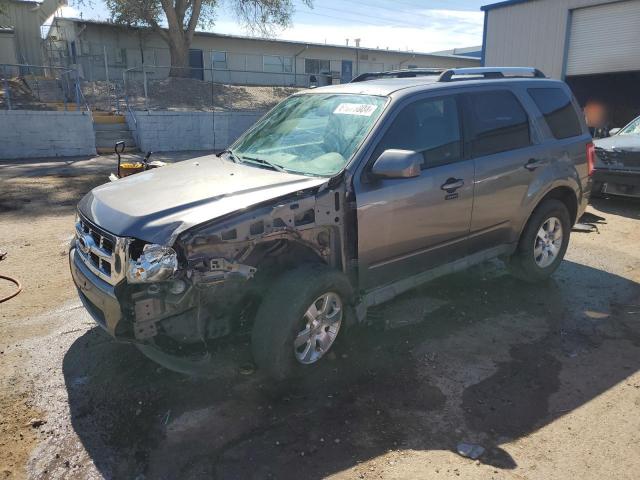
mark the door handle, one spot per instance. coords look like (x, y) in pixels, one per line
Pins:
(532, 164)
(452, 184)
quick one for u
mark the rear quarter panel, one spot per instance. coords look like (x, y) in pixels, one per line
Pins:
(565, 160)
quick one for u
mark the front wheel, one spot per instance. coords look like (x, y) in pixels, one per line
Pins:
(543, 242)
(299, 320)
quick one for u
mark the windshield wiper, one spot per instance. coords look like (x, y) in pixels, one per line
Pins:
(261, 161)
(229, 152)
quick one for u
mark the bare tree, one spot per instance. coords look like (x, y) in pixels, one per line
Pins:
(183, 16)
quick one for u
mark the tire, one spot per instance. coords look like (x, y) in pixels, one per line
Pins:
(281, 319)
(528, 263)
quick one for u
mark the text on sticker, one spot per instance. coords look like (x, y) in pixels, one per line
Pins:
(355, 109)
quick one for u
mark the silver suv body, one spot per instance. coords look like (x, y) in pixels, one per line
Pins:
(339, 199)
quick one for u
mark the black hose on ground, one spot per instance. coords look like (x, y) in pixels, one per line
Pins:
(11, 295)
(10, 279)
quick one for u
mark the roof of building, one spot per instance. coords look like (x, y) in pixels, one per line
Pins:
(505, 3)
(276, 40)
(475, 51)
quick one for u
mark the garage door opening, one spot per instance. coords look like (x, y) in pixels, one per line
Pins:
(618, 92)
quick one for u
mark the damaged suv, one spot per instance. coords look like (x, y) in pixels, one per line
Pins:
(339, 199)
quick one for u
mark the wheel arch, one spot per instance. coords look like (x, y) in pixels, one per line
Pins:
(567, 196)
(287, 253)
(562, 192)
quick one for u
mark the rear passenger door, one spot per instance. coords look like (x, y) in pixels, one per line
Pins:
(498, 138)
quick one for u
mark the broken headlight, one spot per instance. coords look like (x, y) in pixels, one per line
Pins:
(155, 264)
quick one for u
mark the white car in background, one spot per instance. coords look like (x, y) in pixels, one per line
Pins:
(617, 167)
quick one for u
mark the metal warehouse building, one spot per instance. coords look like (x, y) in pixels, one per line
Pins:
(594, 45)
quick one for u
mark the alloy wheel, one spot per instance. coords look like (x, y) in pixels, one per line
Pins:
(320, 326)
(548, 242)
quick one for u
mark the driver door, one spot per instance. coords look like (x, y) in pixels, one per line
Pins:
(409, 225)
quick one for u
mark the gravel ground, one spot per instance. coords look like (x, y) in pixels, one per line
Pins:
(545, 377)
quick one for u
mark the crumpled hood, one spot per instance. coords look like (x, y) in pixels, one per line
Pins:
(628, 143)
(157, 205)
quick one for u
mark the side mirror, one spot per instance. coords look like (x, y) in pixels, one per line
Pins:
(613, 131)
(398, 164)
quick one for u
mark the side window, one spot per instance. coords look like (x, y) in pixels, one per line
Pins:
(495, 122)
(430, 127)
(219, 60)
(558, 111)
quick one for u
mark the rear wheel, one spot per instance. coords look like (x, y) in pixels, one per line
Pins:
(543, 242)
(299, 320)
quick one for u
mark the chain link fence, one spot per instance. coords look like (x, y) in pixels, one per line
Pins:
(36, 87)
(146, 87)
(205, 89)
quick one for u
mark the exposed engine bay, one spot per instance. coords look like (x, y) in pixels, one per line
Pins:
(225, 267)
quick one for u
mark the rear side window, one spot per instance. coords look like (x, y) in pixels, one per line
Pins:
(558, 111)
(495, 122)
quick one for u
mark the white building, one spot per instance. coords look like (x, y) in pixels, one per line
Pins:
(104, 49)
(20, 22)
(592, 44)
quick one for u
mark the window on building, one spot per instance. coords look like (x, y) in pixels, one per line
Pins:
(430, 127)
(288, 64)
(412, 66)
(73, 52)
(118, 57)
(496, 123)
(219, 60)
(277, 64)
(558, 111)
(314, 66)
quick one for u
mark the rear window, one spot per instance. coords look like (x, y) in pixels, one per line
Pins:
(558, 111)
(496, 123)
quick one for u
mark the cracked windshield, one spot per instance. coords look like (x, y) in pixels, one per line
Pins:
(314, 134)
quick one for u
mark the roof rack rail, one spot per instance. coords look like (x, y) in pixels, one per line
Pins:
(402, 73)
(490, 73)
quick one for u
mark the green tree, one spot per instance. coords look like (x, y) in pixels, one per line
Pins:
(183, 16)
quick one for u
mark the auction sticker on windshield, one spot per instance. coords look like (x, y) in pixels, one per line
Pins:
(362, 109)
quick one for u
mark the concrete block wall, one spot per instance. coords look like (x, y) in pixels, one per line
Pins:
(34, 134)
(176, 131)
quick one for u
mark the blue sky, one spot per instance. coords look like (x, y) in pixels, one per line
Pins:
(421, 26)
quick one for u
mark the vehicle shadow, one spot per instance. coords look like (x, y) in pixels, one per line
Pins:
(476, 356)
(47, 187)
(623, 206)
(45, 196)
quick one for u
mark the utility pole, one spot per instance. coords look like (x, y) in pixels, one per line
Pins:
(357, 40)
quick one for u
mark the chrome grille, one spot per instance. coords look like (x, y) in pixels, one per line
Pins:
(102, 252)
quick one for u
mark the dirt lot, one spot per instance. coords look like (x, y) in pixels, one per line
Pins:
(545, 377)
(189, 94)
